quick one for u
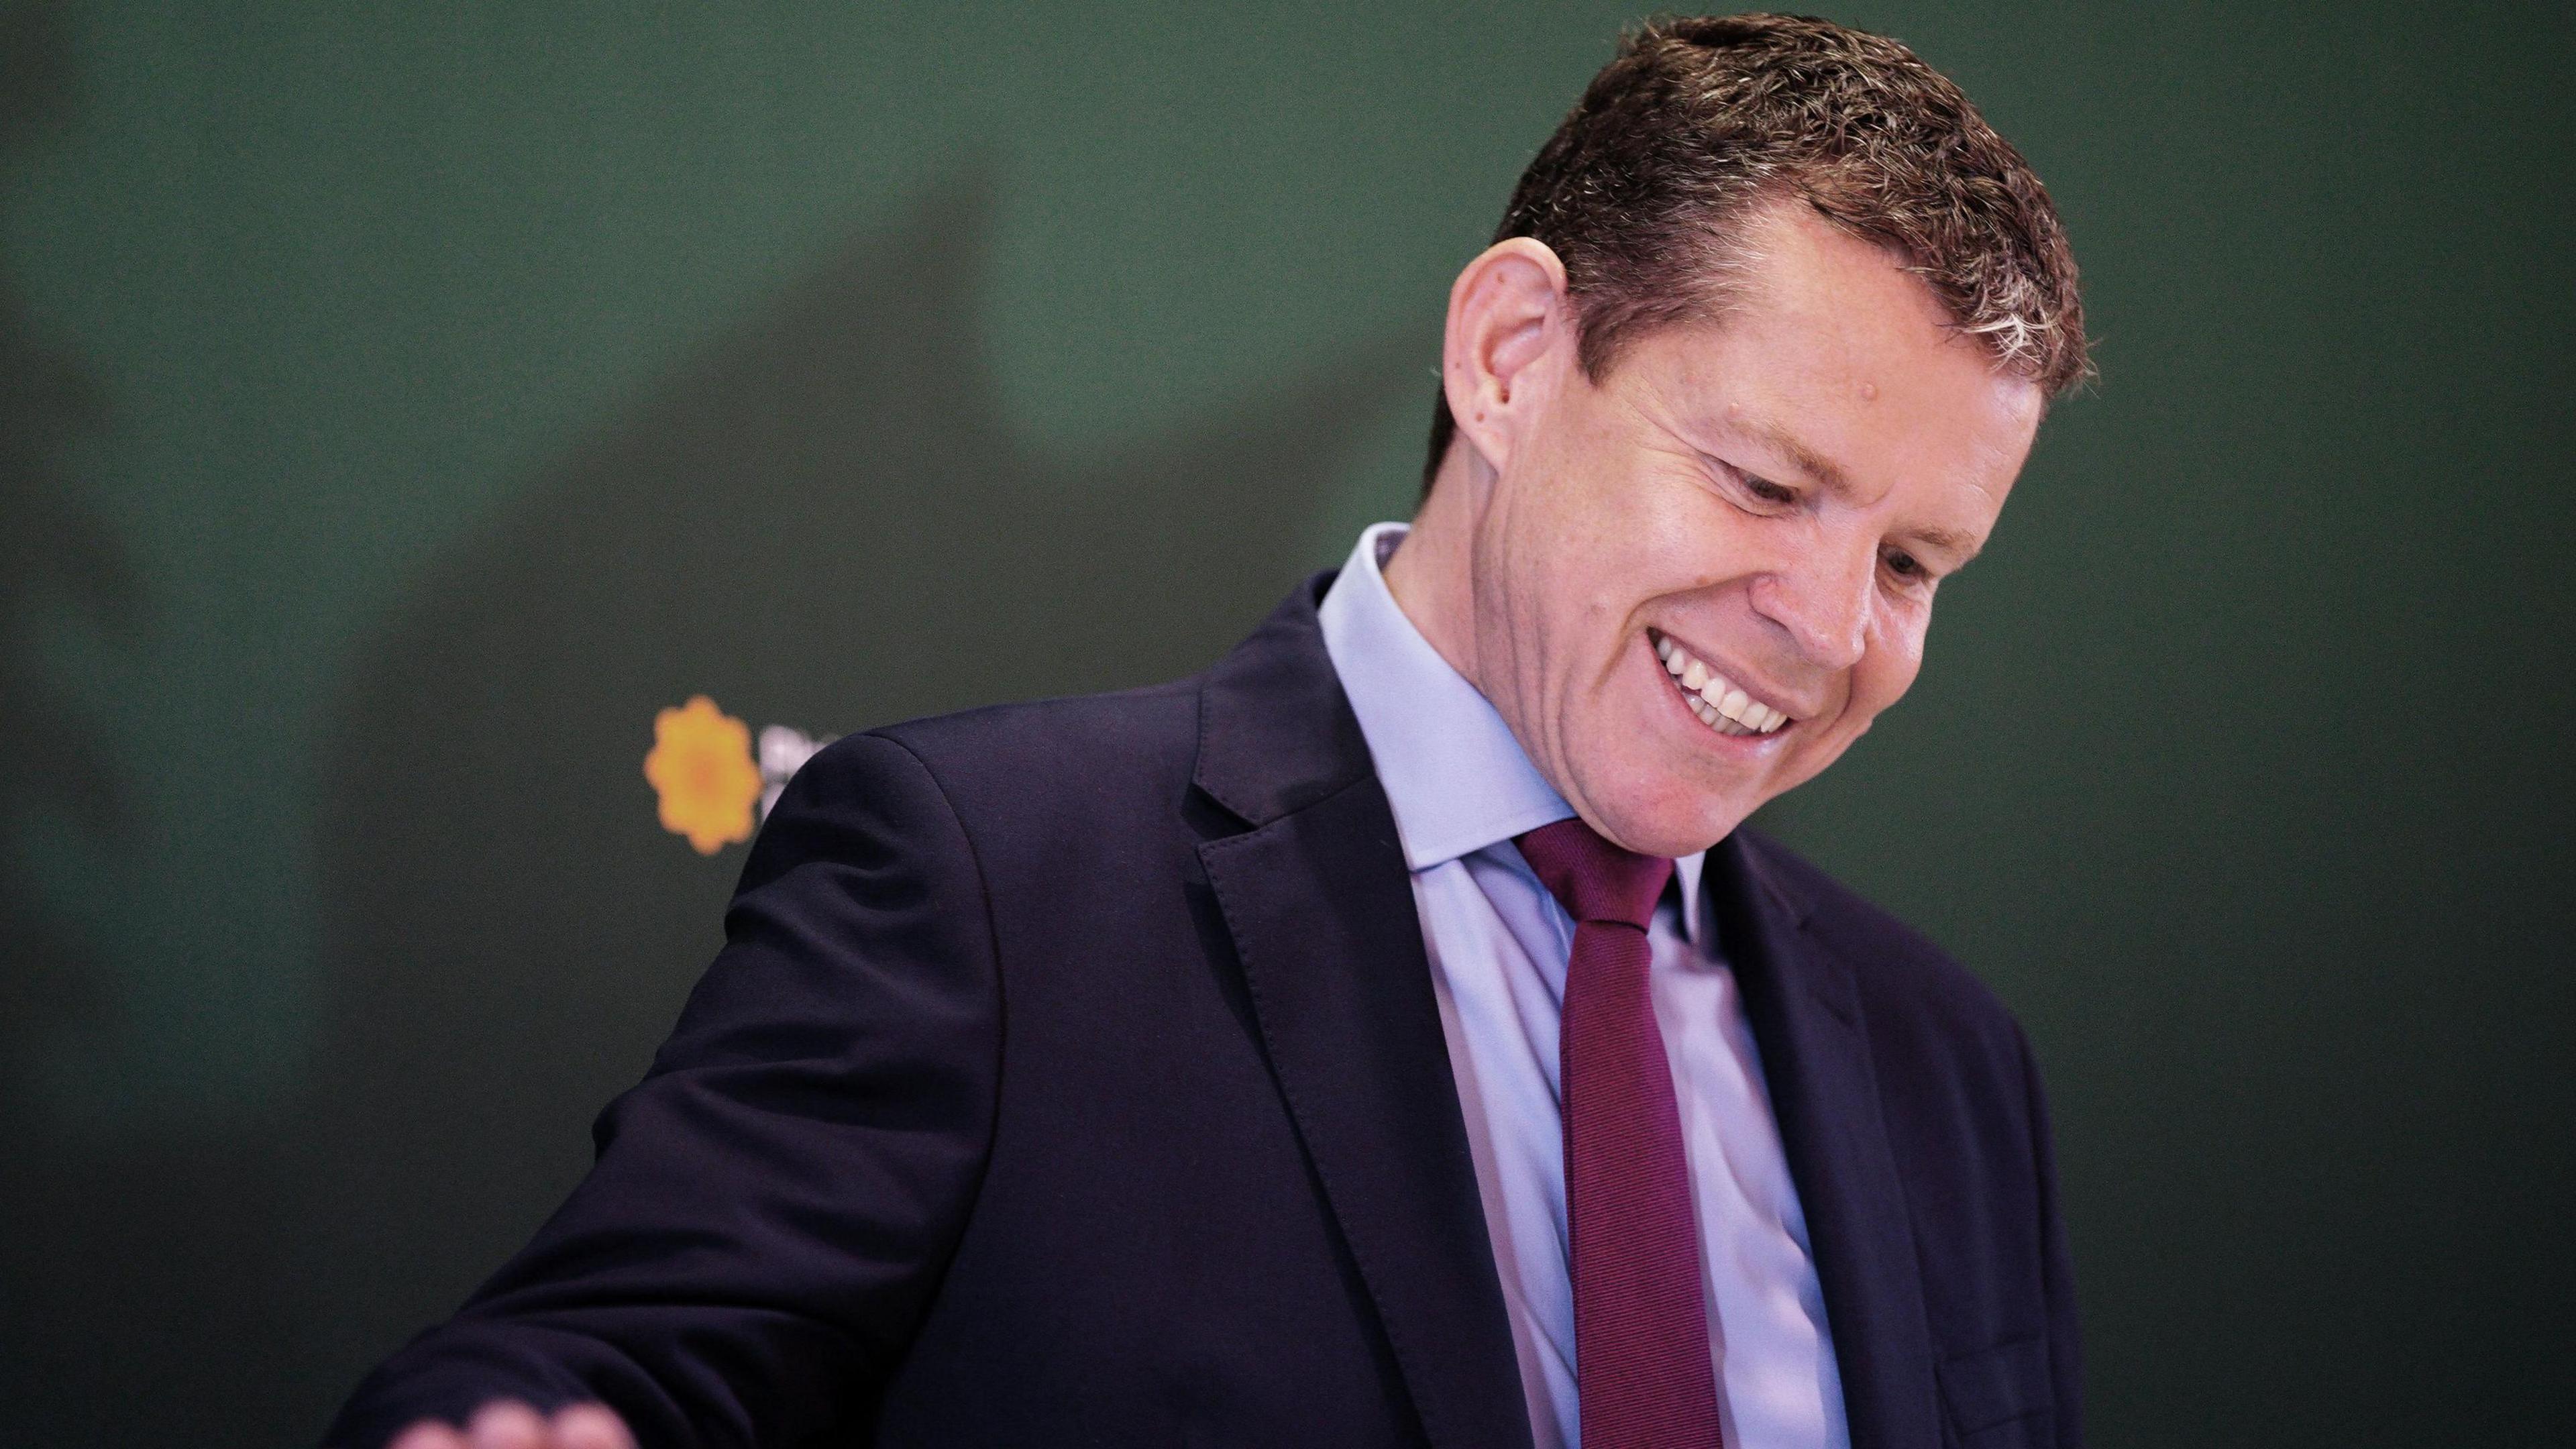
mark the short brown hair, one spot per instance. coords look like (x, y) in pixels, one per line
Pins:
(1697, 122)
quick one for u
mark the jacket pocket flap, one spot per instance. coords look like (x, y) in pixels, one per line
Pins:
(1996, 1385)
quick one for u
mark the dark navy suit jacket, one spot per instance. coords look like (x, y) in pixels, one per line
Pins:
(1072, 1076)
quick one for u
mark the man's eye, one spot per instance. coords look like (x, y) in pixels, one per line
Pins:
(1768, 491)
(1907, 566)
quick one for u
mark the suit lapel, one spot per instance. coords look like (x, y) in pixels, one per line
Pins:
(1804, 1007)
(1320, 907)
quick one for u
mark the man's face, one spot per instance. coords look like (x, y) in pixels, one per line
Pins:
(1769, 501)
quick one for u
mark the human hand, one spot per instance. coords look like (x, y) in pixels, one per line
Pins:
(509, 1424)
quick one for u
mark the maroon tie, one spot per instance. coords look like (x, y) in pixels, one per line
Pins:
(1641, 1344)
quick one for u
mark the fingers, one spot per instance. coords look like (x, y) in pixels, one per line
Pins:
(429, 1434)
(591, 1426)
(509, 1424)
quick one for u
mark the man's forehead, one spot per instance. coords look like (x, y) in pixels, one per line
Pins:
(1845, 416)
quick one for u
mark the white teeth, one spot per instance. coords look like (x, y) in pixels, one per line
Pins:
(1718, 702)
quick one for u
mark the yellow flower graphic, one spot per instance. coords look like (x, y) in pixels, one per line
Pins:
(701, 767)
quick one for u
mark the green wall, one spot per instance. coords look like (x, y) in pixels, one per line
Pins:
(400, 404)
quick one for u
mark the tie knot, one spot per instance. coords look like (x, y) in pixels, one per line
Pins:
(1593, 879)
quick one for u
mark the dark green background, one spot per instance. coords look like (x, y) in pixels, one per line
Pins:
(399, 404)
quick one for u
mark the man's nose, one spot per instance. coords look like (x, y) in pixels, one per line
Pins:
(1821, 599)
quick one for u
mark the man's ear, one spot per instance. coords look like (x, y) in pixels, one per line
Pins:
(1508, 313)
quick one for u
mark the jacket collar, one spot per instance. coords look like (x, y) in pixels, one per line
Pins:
(1275, 732)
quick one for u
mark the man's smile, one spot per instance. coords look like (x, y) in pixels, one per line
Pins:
(1721, 703)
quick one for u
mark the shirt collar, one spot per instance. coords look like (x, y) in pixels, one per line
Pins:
(1455, 778)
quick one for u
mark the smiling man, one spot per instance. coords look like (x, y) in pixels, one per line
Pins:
(1391, 1036)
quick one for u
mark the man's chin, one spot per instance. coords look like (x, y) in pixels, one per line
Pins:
(1656, 828)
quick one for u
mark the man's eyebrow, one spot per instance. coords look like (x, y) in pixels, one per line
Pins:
(1780, 440)
(1951, 541)
(1830, 477)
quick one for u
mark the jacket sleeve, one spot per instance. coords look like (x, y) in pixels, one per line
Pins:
(2065, 1346)
(771, 1207)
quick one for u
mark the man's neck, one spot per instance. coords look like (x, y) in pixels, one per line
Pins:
(1432, 575)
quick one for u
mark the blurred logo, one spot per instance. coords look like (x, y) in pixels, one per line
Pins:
(701, 767)
(703, 770)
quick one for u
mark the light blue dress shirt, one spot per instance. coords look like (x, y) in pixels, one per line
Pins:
(1461, 788)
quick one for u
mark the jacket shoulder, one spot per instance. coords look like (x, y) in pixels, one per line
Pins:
(1059, 769)
(1073, 737)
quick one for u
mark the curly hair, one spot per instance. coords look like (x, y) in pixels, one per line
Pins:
(1644, 189)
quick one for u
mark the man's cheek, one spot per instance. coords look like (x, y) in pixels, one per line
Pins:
(1896, 642)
